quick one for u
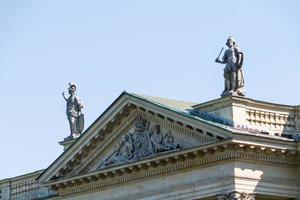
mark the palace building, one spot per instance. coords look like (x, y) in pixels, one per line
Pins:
(152, 148)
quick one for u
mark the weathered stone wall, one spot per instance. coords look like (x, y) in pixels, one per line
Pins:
(189, 184)
(275, 182)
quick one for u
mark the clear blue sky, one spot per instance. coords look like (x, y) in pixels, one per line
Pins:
(160, 48)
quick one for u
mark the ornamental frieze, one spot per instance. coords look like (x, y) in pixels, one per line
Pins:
(145, 141)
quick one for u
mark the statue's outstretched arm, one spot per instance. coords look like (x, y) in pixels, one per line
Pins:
(223, 61)
(63, 94)
(220, 61)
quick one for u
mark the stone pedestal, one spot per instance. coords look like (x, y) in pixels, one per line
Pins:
(68, 141)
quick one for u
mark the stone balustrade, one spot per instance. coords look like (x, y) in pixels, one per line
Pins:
(24, 187)
(28, 188)
(276, 122)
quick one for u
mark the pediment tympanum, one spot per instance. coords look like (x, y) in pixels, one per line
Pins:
(145, 139)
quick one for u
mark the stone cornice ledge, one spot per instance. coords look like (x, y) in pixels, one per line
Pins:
(244, 101)
(265, 140)
(219, 151)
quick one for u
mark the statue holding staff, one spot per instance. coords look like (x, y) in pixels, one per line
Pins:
(74, 114)
(233, 74)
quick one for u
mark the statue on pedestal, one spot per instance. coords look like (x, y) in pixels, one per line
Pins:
(233, 74)
(74, 114)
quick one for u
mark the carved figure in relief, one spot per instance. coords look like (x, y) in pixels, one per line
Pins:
(142, 143)
(129, 148)
(142, 140)
(236, 196)
(156, 139)
(233, 74)
(170, 141)
(124, 152)
(162, 142)
(73, 111)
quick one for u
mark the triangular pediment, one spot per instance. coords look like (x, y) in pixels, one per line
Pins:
(147, 138)
(131, 130)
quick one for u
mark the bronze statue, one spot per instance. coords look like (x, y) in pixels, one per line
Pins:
(74, 114)
(233, 74)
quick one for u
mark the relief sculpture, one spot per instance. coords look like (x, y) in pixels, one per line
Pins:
(236, 196)
(144, 141)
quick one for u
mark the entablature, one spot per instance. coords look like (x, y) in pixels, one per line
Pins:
(222, 151)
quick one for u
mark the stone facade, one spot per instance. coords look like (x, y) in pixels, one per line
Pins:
(152, 148)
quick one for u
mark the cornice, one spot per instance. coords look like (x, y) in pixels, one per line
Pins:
(223, 151)
(264, 140)
(181, 117)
